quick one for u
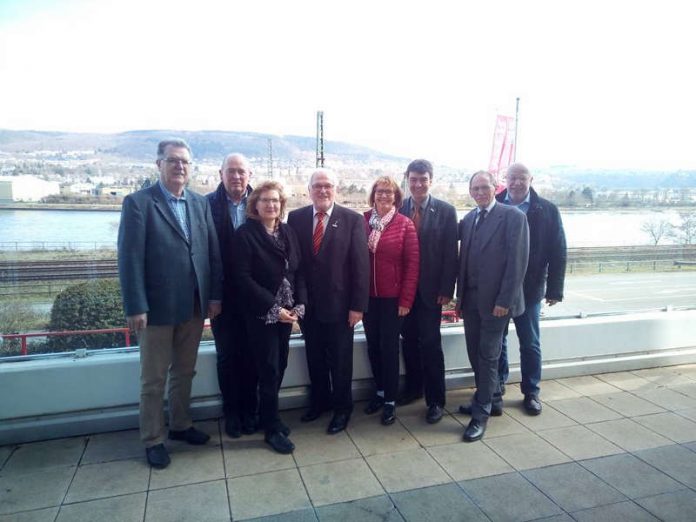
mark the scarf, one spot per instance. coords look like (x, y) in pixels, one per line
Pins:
(378, 224)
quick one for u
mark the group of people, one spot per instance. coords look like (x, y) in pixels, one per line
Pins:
(231, 256)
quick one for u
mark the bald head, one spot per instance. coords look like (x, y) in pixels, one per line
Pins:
(234, 174)
(519, 181)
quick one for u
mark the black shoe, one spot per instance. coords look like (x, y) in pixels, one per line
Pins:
(532, 405)
(496, 411)
(408, 398)
(434, 414)
(388, 414)
(284, 428)
(280, 442)
(338, 423)
(502, 389)
(191, 435)
(232, 427)
(474, 431)
(311, 414)
(374, 405)
(157, 456)
(249, 424)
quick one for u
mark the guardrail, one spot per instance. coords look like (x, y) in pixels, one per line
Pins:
(18, 246)
(24, 336)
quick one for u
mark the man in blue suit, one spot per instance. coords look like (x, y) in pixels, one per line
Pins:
(171, 278)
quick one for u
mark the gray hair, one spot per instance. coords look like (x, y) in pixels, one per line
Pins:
(517, 168)
(176, 143)
(329, 174)
(483, 173)
(239, 155)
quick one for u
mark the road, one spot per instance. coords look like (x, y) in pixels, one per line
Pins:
(624, 292)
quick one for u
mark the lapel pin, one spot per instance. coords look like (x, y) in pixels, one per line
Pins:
(335, 224)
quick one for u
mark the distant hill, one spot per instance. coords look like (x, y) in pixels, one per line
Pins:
(140, 145)
(624, 178)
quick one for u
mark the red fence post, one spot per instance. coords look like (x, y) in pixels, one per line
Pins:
(127, 337)
(24, 345)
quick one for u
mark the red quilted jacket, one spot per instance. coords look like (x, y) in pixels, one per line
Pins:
(394, 267)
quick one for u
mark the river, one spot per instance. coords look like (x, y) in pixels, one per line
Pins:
(58, 229)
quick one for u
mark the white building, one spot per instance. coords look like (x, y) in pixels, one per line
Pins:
(26, 188)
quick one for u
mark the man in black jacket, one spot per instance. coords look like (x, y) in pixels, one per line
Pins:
(236, 369)
(544, 278)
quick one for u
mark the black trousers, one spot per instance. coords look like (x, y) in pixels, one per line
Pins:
(484, 336)
(236, 368)
(382, 324)
(270, 344)
(329, 349)
(422, 349)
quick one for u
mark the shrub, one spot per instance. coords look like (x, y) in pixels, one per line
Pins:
(87, 306)
(17, 316)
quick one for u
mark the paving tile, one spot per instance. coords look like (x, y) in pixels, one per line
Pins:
(313, 448)
(195, 464)
(677, 506)
(375, 509)
(584, 409)
(498, 426)
(109, 480)
(40, 515)
(664, 376)
(211, 427)
(563, 517)
(588, 385)
(691, 446)
(623, 511)
(200, 502)
(668, 399)
(302, 515)
(573, 487)
(626, 381)
(555, 391)
(468, 461)
(120, 445)
(456, 398)
(447, 431)
(686, 369)
(549, 418)
(117, 509)
(407, 470)
(579, 443)
(670, 425)
(251, 457)
(689, 413)
(631, 476)
(292, 419)
(437, 503)
(5, 452)
(628, 434)
(372, 438)
(38, 456)
(47, 489)
(267, 494)
(676, 461)
(627, 404)
(685, 389)
(343, 481)
(509, 497)
(526, 451)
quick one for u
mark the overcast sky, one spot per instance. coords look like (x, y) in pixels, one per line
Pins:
(601, 83)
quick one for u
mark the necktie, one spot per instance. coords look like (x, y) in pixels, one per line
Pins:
(481, 217)
(416, 217)
(318, 233)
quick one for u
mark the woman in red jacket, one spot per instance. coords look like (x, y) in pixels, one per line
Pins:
(394, 257)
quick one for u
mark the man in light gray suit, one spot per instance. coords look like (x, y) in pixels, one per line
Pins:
(494, 249)
(171, 278)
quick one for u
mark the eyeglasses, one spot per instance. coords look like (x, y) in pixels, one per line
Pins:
(274, 201)
(174, 161)
(384, 192)
(322, 186)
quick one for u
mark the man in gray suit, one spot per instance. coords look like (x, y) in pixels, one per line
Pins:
(436, 224)
(494, 249)
(171, 278)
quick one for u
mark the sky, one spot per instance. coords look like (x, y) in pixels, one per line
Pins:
(602, 84)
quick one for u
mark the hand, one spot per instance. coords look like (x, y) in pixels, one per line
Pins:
(443, 300)
(551, 302)
(287, 316)
(458, 311)
(403, 311)
(214, 309)
(499, 311)
(137, 322)
(354, 318)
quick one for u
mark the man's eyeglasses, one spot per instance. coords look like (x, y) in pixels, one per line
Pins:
(322, 186)
(174, 161)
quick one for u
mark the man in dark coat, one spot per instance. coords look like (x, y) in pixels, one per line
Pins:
(544, 278)
(236, 369)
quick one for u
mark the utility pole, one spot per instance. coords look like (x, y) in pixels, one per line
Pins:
(517, 119)
(320, 139)
(270, 158)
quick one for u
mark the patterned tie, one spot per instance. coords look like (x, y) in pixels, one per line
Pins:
(481, 217)
(318, 233)
(416, 217)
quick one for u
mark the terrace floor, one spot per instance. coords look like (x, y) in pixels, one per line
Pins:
(619, 446)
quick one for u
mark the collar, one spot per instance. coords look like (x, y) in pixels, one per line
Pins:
(423, 206)
(168, 195)
(488, 208)
(527, 199)
(244, 197)
(328, 212)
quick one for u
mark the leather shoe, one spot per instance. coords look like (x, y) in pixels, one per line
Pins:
(232, 427)
(280, 442)
(496, 411)
(374, 405)
(249, 424)
(532, 405)
(388, 414)
(191, 435)
(311, 414)
(474, 431)
(157, 456)
(408, 398)
(338, 423)
(434, 414)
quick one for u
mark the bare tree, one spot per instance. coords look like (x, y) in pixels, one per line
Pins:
(685, 232)
(657, 229)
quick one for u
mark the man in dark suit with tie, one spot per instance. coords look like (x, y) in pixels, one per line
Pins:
(436, 224)
(335, 262)
(171, 278)
(236, 369)
(494, 248)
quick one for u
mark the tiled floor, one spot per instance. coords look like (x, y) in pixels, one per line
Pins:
(615, 447)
